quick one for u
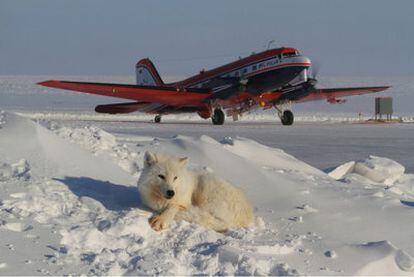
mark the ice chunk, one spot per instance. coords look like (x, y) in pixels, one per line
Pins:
(374, 169)
(339, 172)
(380, 169)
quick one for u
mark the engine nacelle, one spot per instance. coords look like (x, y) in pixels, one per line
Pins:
(205, 113)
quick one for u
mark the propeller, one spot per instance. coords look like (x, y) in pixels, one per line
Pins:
(314, 70)
(313, 73)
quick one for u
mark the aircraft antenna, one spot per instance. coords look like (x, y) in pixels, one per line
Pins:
(270, 44)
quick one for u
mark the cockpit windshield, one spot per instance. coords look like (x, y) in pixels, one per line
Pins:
(290, 54)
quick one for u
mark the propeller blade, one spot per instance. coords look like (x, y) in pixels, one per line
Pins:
(314, 70)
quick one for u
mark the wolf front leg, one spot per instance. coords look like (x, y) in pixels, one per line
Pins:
(161, 221)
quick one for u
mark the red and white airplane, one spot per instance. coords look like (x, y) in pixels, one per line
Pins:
(273, 78)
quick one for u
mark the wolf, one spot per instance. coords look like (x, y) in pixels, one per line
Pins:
(176, 193)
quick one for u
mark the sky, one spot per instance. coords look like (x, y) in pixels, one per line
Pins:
(100, 37)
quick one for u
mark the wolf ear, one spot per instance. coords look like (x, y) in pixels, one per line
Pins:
(183, 161)
(149, 158)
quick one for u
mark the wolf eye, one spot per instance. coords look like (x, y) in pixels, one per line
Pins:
(175, 178)
(161, 176)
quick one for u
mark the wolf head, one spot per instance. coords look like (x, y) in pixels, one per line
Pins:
(164, 172)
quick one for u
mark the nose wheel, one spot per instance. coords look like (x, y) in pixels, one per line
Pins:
(157, 118)
(218, 117)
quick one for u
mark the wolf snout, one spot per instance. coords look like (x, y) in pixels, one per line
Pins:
(169, 194)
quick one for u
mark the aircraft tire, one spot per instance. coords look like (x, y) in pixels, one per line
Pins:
(218, 117)
(287, 118)
(157, 119)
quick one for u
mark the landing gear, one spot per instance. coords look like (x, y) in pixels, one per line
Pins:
(157, 118)
(287, 117)
(218, 117)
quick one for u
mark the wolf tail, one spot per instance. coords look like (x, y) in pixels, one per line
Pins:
(204, 218)
(146, 74)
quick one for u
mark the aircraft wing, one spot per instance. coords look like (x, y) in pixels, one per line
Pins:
(332, 94)
(170, 96)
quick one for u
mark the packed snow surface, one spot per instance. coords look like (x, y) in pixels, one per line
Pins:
(69, 205)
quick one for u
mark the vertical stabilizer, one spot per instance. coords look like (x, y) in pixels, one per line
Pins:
(146, 74)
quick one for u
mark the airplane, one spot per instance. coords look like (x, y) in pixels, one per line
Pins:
(275, 78)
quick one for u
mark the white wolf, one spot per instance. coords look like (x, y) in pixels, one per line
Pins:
(169, 188)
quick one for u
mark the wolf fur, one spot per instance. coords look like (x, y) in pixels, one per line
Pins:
(198, 197)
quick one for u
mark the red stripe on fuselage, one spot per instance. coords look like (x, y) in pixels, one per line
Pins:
(265, 55)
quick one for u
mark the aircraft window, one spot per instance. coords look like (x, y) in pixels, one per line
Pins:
(289, 54)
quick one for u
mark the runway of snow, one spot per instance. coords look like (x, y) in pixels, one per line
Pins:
(69, 205)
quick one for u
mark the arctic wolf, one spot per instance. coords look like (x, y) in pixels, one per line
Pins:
(176, 193)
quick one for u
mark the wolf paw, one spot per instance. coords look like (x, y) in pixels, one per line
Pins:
(157, 223)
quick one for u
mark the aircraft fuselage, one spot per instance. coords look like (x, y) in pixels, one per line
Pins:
(266, 71)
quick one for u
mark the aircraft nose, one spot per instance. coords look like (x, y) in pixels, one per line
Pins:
(298, 60)
(304, 60)
(170, 194)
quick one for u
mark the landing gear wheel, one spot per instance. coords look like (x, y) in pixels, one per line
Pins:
(218, 117)
(157, 119)
(287, 118)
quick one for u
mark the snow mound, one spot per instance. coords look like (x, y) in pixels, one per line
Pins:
(380, 170)
(100, 143)
(74, 185)
(377, 169)
(90, 137)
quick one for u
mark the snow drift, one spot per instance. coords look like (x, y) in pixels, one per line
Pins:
(79, 184)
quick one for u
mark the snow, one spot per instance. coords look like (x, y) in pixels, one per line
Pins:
(376, 169)
(69, 205)
(331, 196)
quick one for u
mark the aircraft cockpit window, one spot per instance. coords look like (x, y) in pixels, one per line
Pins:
(290, 54)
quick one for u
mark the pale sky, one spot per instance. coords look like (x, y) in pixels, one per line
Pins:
(99, 37)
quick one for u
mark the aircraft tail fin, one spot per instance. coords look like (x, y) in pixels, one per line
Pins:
(146, 74)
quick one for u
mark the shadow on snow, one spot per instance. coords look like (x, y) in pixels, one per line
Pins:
(112, 196)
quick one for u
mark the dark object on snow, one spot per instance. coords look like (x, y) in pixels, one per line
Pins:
(383, 105)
